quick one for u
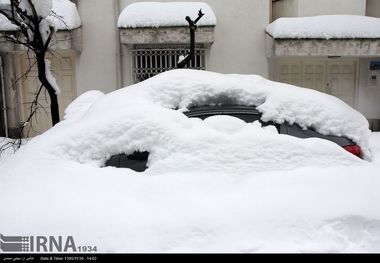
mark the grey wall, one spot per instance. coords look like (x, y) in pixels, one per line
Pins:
(285, 8)
(299, 8)
(373, 8)
(329, 7)
(97, 64)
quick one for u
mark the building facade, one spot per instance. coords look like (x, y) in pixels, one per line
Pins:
(100, 55)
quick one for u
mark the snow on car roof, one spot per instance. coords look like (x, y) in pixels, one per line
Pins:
(66, 16)
(277, 102)
(325, 27)
(158, 14)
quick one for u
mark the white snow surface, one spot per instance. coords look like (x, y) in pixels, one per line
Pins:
(310, 209)
(325, 27)
(81, 104)
(67, 16)
(62, 14)
(218, 185)
(160, 14)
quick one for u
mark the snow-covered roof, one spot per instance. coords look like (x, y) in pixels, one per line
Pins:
(64, 16)
(159, 14)
(325, 27)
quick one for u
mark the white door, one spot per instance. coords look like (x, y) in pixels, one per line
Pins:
(62, 67)
(335, 77)
(314, 75)
(290, 72)
(341, 80)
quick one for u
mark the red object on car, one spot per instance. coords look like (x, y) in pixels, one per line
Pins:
(354, 149)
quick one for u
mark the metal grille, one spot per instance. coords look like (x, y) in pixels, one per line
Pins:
(150, 60)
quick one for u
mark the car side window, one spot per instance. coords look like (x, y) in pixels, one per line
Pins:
(136, 161)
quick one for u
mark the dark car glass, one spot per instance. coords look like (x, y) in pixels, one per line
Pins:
(136, 161)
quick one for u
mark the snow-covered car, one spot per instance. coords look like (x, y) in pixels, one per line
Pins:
(138, 160)
(288, 110)
(212, 184)
(148, 124)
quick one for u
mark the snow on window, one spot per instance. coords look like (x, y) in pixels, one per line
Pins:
(63, 14)
(156, 14)
(325, 27)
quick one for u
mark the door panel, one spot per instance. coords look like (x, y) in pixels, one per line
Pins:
(342, 80)
(337, 78)
(290, 72)
(313, 76)
(62, 68)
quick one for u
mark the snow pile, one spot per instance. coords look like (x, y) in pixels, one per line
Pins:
(66, 15)
(315, 209)
(325, 27)
(159, 14)
(62, 14)
(214, 185)
(278, 102)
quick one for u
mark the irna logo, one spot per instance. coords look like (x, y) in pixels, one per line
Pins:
(37, 244)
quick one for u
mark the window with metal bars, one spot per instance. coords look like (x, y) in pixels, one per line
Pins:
(150, 60)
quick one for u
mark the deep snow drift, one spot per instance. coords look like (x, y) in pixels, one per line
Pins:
(213, 185)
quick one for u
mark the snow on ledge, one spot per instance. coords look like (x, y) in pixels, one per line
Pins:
(325, 27)
(157, 14)
(66, 16)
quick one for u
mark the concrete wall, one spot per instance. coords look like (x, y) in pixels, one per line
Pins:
(285, 8)
(369, 89)
(373, 8)
(331, 7)
(239, 45)
(299, 8)
(97, 64)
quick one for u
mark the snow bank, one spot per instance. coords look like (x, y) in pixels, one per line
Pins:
(325, 27)
(314, 209)
(63, 14)
(158, 14)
